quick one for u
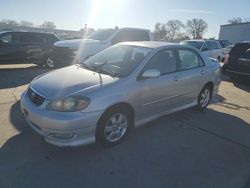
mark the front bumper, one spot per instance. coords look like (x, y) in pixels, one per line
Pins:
(60, 128)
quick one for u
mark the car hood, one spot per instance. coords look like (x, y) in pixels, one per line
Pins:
(75, 43)
(69, 81)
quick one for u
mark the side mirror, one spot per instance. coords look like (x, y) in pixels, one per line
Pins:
(204, 49)
(151, 73)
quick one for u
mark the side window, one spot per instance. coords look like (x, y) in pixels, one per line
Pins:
(9, 38)
(188, 59)
(164, 61)
(213, 45)
(30, 39)
(205, 46)
(218, 45)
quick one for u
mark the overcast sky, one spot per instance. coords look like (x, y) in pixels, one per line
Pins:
(73, 14)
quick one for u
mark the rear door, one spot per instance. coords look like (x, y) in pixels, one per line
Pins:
(162, 93)
(239, 58)
(193, 74)
(32, 46)
(9, 47)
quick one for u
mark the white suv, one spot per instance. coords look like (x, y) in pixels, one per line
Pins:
(211, 48)
(73, 51)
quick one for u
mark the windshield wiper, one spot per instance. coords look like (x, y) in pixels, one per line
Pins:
(98, 69)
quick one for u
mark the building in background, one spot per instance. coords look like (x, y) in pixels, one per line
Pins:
(235, 32)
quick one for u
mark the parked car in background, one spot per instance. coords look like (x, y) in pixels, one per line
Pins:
(226, 51)
(211, 48)
(28, 47)
(224, 43)
(74, 51)
(122, 87)
(238, 62)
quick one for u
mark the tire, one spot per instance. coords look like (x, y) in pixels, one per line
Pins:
(49, 62)
(204, 97)
(113, 126)
(219, 59)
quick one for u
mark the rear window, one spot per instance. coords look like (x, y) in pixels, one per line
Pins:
(241, 50)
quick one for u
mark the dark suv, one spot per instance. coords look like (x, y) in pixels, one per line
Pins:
(31, 47)
(238, 63)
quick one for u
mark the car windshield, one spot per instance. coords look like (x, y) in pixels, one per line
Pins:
(101, 34)
(196, 44)
(118, 61)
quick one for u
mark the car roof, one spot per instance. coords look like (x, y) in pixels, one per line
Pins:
(152, 44)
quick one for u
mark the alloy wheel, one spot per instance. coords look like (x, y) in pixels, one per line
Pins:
(116, 127)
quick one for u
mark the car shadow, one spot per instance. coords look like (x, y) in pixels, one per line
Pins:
(241, 83)
(184, 149)
(14, 77)
(221, 101)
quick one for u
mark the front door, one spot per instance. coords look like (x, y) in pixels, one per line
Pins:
(193, 75)
(9, 47)
(161, 93)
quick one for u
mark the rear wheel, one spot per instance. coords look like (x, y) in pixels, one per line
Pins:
(204, 97)
(113, 126)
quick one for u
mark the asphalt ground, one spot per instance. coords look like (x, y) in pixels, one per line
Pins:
(188, 149)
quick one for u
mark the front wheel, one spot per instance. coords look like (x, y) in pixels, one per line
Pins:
(49, 62)
(204, 97)
(113, 127)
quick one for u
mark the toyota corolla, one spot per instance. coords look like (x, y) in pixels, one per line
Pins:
(120, 88)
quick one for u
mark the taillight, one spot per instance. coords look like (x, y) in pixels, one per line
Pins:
(226, 59)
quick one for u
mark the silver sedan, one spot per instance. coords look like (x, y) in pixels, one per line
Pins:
(120, 88)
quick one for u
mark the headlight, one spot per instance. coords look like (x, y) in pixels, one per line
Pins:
(69, 104)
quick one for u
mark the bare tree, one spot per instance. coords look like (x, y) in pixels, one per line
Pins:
(236, 20)
(48, 25)
(26, 23)
(160, 31)
(196, 27)
(157, 31)
(8, 23)
(173, 28)
(163, 32)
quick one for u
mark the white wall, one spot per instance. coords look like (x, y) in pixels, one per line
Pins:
(235, 32)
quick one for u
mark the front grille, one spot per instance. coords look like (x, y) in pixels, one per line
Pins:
(35, 97)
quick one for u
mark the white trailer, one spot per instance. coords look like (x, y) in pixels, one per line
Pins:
(235, 32)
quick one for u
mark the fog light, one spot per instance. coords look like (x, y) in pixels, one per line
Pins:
(62, 135)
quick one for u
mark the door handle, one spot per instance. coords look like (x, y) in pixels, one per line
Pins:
(203, 72)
